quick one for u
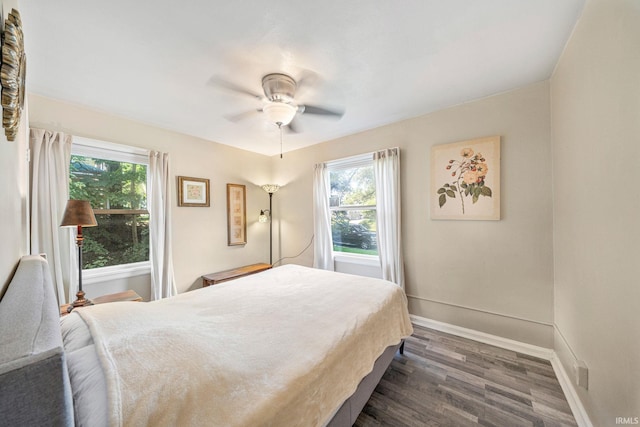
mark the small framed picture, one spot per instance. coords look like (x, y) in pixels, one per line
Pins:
(236, 214)
(193, 191)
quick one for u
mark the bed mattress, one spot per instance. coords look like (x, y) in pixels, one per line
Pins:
(283, 347)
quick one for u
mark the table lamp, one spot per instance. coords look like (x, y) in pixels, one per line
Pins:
(78, 213)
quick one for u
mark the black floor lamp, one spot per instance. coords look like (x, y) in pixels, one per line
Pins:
(78, 213)
(264, 217)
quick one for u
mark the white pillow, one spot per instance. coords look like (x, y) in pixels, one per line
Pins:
(88, 386)
(75, 332)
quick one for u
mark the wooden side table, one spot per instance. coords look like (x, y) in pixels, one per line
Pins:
(129, 295)
(234, 273)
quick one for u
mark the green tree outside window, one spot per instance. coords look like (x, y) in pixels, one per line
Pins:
(118, 194)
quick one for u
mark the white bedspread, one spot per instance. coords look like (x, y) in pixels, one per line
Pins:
(283, 348)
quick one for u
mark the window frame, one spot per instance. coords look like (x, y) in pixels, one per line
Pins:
(350, 163)
(122, 153)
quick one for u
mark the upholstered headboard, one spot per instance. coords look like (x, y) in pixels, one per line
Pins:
(34, 382)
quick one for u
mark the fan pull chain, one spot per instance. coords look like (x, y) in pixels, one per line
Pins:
(280, 127)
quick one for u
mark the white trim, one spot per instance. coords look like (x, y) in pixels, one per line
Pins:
(579, 413)
(109, 151)
(369, 260)
(506, 343)
(568, 386)
(121, 153)
(115, 272)
(353, 208)
(365, 159)
(577, 408)
(359, 160)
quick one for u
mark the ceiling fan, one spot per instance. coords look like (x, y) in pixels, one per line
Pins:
(279, 104)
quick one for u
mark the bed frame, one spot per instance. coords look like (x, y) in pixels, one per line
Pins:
(351, 408)
(34, 380)
(34, 383)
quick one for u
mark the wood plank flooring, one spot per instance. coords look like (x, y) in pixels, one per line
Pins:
(445, 380)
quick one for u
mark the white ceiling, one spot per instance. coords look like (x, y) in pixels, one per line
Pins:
(380, 60)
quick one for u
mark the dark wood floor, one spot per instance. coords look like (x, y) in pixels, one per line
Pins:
(445, 380)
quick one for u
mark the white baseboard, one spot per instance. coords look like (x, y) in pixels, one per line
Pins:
(549, 354)
(579, 413)
(506, 343)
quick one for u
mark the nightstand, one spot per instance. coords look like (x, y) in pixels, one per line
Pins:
(223, 276)
(119, 296)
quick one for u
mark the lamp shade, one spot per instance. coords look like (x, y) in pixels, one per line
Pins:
(279, 113)
(271, 188)
(78, 212)
(263, 217)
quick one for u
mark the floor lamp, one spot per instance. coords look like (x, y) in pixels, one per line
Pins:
(269, 188)
(78, 213)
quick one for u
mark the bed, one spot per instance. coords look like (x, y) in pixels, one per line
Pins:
(289, 346)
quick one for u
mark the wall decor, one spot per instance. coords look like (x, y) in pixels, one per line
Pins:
(193, 191)
(236, 214)
(465, 180)
(12, 74)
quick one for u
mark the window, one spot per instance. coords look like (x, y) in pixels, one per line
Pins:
(115, 183)
(353, 206)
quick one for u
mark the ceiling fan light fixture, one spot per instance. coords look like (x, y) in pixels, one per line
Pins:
(279, 113)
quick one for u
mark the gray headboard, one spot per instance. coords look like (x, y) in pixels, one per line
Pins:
(34, 382)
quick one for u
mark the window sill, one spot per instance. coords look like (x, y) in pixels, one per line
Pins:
(115, 272)
(369, 260)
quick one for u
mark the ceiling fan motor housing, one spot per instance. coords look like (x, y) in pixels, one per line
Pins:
(279, 87)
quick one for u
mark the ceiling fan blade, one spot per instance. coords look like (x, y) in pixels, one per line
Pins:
(312, 109)
(306, 79)
(292, 127)
(225, 84)
(241, 116)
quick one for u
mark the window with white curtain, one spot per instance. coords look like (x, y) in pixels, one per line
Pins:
(113, 178)
(352, 206)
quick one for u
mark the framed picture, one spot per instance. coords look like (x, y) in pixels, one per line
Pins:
(193, 191)
(465, 180)
(236, 214)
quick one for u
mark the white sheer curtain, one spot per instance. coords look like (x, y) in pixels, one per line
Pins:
(386, 166)
(322, 244)
(49, 180)
(159, 204)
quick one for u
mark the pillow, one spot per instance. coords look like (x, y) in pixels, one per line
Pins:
(75, 332)
(88, 386)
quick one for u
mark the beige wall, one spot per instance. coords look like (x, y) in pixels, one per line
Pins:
(493, 276)
(506, 286)
(590, 111)
(14, 178)
(199, 234)
(595, 94)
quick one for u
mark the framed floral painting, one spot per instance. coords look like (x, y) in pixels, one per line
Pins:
(236, 215)
(193, 191)
(465, 180)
